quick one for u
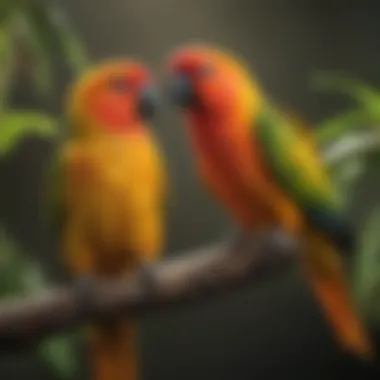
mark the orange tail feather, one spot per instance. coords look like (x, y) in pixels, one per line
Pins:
(326, 273)
(114, 353)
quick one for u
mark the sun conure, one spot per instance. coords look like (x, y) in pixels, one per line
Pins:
(111, 189)
(265, 170)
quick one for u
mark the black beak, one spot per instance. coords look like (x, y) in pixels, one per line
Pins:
(148, 103)
(181, 91)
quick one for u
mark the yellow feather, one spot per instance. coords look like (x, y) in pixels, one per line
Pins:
(114, 192)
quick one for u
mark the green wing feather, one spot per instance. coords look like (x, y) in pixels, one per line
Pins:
(294, 162)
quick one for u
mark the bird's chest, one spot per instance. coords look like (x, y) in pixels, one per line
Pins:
(225, 155)
(233, 170)
(98, 181)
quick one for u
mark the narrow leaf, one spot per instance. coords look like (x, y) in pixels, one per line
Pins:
(60, 353)
(40, 64)
(15, 126)
(367, 268)
(337, 126)
(6, 62)
(351, 145)
(71, 47)
(364, 94)
(57, 36)
(347, 175)
(5, 10)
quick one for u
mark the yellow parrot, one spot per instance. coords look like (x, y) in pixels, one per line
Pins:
(110, 190)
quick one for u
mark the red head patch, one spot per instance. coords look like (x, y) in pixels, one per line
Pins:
(112, 96)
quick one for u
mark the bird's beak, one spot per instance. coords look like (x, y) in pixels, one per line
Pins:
(180, 91)
(148, 102)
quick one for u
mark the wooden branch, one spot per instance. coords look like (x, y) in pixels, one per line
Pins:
(193, 275)
(190, 276)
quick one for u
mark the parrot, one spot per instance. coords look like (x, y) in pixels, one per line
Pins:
(264, 169)
(110, 186)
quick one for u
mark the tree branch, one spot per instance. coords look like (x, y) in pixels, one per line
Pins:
(193, 275)
(190, 276)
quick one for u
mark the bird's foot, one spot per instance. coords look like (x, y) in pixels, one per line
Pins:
(279, 246)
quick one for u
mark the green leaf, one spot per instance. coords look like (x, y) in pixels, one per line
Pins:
(5, 9)
(11, 266)
(337, 126)
(20, 275)
(351, 145)
(16, 125)
(6, 62)
(367, 268)
(49, 40)
(71, 47)
(347, 174)
(57, 37)
(367, 96)
(351, 158)
(60, 353)
(373, 160)
(366, 115)
(40, 68)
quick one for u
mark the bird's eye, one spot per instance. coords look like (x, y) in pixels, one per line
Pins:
(205, 71)
(119, 84)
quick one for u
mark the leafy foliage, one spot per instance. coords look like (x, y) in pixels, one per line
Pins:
(353, 142)
(36, 36)
(36, 41)
(365, 115)
(19, 124)
(367, 269)
(20, 275)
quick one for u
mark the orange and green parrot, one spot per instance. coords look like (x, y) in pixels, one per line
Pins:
(264, 168)
(110, 191)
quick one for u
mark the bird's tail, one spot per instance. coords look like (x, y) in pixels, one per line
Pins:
(114, 355)
(326, 273)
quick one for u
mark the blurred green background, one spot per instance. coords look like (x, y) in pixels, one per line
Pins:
(267, 331)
